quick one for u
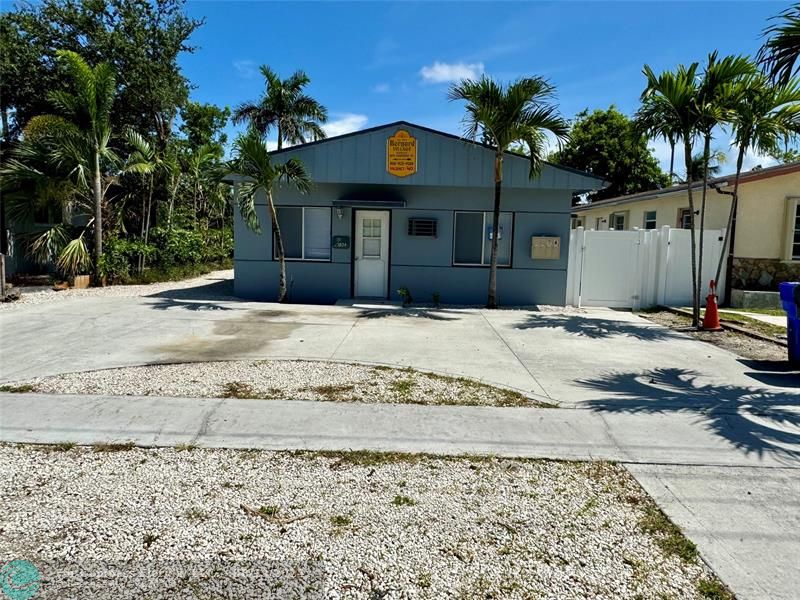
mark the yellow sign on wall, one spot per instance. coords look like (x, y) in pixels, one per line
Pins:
(401, 154)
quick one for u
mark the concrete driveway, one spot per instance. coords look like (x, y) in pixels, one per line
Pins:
(714, 438)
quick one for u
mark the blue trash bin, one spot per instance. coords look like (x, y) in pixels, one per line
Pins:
(790, 299)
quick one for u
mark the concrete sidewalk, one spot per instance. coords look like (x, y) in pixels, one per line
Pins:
(739, 503)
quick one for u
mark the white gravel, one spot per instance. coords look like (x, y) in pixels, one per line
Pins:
(40, 295)
(282, 379)
(171, 524)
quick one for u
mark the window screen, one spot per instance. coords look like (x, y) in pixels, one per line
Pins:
(473, 239)
(650, 219)
(290, 220)
(317, 234)
(306, 232)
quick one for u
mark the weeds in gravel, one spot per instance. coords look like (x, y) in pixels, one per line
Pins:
(269, 511)
(196, 514)
(669, 537)
(424, 580)
(148, 539)
(186, 447)
(333, 393)
(341, 520)
(367, 458)
(713, 590)
(238, 389)
(403, 501)
(402, 387)
(59, 447)
(114, 447)
(22, 388)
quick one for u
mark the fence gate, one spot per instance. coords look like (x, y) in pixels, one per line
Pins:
(637, 269)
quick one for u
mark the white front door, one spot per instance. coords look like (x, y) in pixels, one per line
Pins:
(372, 253)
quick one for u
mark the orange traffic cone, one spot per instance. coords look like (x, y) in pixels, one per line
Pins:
(711, 318)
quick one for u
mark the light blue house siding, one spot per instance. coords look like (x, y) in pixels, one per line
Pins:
(453, 175)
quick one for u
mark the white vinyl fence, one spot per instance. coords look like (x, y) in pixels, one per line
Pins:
(637, 269)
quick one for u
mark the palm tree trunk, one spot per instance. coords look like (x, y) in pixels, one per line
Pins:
(706, 155)
(671, 160)
(498, 182)
(282, 292)
(280, 137)
(147, 222)
(730, 232)
(687, 150)
(98, 215)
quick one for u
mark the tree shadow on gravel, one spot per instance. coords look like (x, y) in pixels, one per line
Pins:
(598, 328)
(754, 420)
(218, 289)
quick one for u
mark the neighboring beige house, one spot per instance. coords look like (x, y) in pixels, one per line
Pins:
(767, 246)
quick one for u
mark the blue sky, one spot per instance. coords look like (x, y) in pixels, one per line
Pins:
(376, 62)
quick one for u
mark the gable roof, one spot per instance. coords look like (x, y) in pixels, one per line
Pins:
(347, 147)
(724, 181)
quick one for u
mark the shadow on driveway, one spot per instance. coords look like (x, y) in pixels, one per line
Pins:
(432, 314)
(754, 420)
(778, 373)
(201, 297)
(598, 328)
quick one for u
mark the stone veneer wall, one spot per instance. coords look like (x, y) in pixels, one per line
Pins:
(763, 273)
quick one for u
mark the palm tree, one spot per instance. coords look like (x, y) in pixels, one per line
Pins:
(714, 105)
(661, 126)
(670, 98)
(143, 160)
(252, 163)
(503, 115)
(87, 109)
(283, 105)
(782, 48)
(716, 158)
(764, 116)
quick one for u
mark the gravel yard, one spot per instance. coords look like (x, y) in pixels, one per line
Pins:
(42, 295)
(119, 522)
(281, 380)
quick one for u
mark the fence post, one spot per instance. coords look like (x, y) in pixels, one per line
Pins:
(575, 265)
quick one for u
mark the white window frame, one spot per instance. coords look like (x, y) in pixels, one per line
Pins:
(681, 211)
(483, 240)
(792, 208)
(654, 220)
(613, 217)
(303, 237)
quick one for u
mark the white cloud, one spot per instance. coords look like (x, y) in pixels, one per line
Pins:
(246, 69)
(440, 72)
(273, 145)
(345, 123)
(381, 88)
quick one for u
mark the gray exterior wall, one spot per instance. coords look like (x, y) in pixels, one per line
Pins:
(452, 175)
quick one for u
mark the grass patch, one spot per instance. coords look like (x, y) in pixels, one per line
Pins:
(767, 329)
(713, 590)
(333, 393)
(403, 501)
(114, 447)
(402, 387)
(368, 458)
(668, 536)
(195, 514)
(341, 520)
(22, 388)
(238, 389)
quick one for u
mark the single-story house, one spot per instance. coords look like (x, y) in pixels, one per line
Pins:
(767, 245)
(403, 206)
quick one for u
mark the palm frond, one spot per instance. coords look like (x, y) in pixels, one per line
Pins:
(74, 258)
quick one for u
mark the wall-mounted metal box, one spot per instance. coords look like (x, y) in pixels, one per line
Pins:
(545, 247)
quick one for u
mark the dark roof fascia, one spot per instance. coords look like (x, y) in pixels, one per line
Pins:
(437, 132)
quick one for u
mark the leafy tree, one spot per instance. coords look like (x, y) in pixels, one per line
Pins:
(608, 144)
(252, 163)
(296, 116)
(764, 116)
(698, 170)
(140, 39)
(520, 112)
(782, 48)
(203, 125)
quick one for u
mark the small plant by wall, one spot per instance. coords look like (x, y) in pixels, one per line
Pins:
(405, 296)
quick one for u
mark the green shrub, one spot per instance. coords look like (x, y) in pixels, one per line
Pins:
(120, 258)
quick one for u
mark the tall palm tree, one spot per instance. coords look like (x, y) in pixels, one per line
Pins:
(782, 48)
(88, 109)
(503, 115)
(670, 97)
(144, 160)
(765, 115)
(252, 163)
(283, 105)
(714, 105)
(716, 158)
(661, 126)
